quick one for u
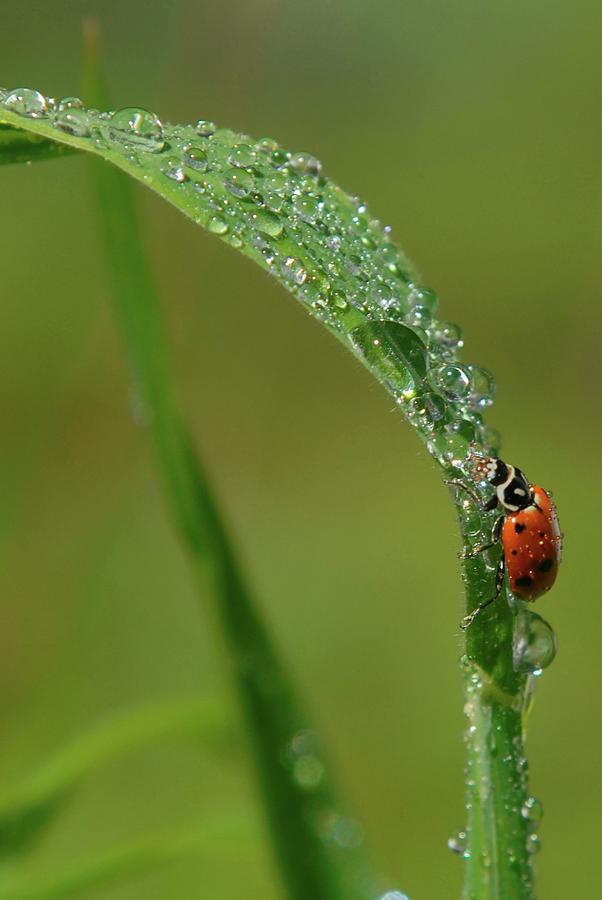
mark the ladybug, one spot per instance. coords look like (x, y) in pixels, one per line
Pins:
(528, 529)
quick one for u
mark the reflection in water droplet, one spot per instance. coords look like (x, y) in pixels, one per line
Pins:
(239, 182)
(482, 387)
(195, 158)
(454, 381)
(73, 120)
(305, 162)
(242, 156)
(172, 168)
(533, 843)
(217, 225)
(449, 336)
(137, 127)
(205, 128)
(457, 843)
(26, 102)
(532, 810)
(533, 644)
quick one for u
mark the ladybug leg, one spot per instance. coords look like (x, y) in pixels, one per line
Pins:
(496, 533)
(467, 490)
(499, 581)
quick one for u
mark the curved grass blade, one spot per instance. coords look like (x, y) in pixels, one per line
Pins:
(28, 807)
(339, 262)
(211, 839)
(17, 146)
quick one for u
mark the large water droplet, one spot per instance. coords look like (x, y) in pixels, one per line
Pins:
(73, 120)
(217, 225)
(267, 223)
(173, 169)
(195, 158)
(239, 182)
(242, 156)
(306, 163)
(26, 102)
(307, 208)
(137, 128)
(448, 336)
(453, 380)
(533, 644)
(482, 387)
(204, 128)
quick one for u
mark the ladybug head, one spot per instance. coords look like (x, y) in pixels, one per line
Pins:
(488, 468)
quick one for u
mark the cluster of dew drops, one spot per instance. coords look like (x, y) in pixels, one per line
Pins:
(323, 244)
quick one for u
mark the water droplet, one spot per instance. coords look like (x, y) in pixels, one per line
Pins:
(205, 128)
(534, 643)
(267, 223)
(276, 182)
(454, 381)
(242, 156)
(138, 128)
(217, 225)
(266, 145)
(449, 336)
(394, 895)
(279, 158)
(26, 102)
(73, 120)
(306, 163)
(383, 295)
(195, 158)
(306, 208)
(69, 103)
(532, 810)
(294, 270)
(533, 843)
(172, 168)
(239, 182)
(482, 387)
(457, 843)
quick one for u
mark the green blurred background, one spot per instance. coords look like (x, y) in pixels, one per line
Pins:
(474, 129)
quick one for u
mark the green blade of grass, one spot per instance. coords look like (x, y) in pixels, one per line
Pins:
(31, 804)
(211, 840)
(17, 146)
(302, 816)
(342, 266)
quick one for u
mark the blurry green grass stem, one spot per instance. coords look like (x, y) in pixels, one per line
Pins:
(271, 711)
(210, 840)
(32, 803)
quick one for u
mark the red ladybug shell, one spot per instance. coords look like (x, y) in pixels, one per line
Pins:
(532, 543)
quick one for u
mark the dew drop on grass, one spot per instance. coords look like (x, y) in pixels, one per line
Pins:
(173, 169)
(205, 128)
(482, 387)
(72, 118)
(305, 163)
(448, 336)
(217, 225)
(195, 158)
(26, 102)
(457, 843)
(138, 128)
(242, 156)
(453, 380)
(533, 644)
(239, 182)
(532, 810)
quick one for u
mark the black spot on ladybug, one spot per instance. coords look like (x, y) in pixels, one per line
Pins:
(518, 527)
(546, 565)
(542, 534)
(514, 552)
(524, 581)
